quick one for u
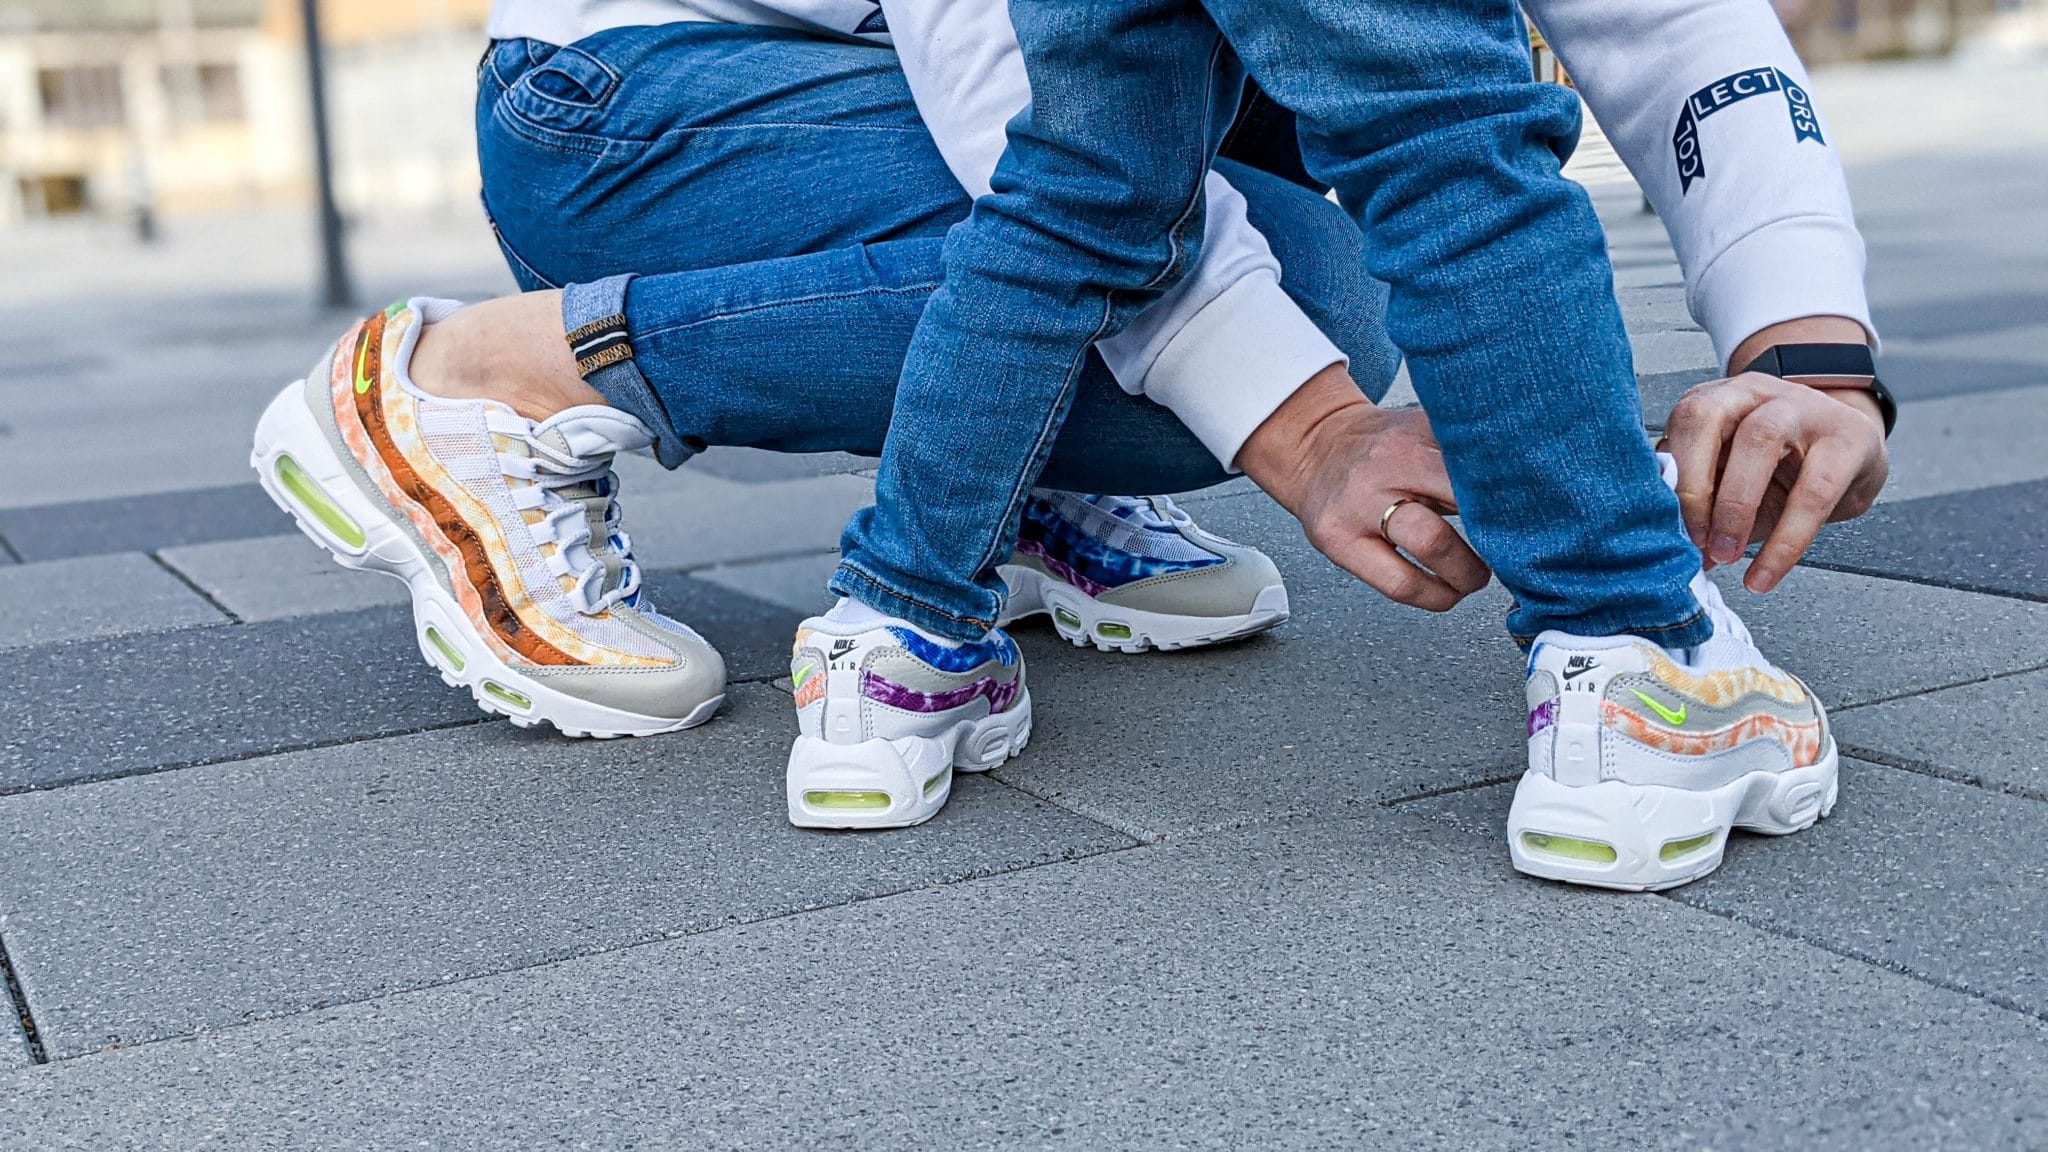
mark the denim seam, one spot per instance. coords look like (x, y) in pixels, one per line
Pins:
(611, 76)
(849, 568)
(1049, 430)
(512, 253)
(542, 136)
(822, 298)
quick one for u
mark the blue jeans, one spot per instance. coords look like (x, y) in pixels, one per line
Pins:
(766, 212)
(1422, 115)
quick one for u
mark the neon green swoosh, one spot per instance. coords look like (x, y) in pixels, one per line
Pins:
(802, 674)
(1671, 717)
(362, 357)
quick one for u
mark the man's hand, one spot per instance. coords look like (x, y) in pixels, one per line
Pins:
(1761, 458)
(1338, 463)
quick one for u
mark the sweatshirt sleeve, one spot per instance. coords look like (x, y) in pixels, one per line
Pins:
(1227, 345)
(1709, 107)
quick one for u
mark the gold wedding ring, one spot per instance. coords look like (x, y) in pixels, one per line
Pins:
(1389, 515)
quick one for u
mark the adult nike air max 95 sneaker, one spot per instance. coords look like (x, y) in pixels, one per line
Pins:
(887, 713)
(1131, 574)
(506, 531)
(1641, 760)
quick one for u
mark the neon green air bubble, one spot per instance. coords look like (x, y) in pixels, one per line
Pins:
(823, 799)
(446, 649)
(506, 695)
(1067, 618)
(1113, 631)
(1569, 847)
(315, 500)
(1678, 848)
(932, 785)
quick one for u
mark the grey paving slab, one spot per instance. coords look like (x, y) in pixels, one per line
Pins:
(692, 520)
(163, 905)
(1357, 700)
(1661, 391)
(1663, 351)
(1993, 733)
(1958, 315)
(1912, 376)
(1368, 983)
(1990, 540)
(141, 523)
(109, 707)
(280, 577)
(797, 584)
(1926, 876)
(1975, 440)
(13, 1041)
(95, 596)
(757, 465)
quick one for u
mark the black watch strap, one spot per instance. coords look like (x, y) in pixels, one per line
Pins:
(1799, 362)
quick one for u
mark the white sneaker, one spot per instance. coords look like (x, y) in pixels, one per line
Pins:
(524, 588)
(1131, 574)
(1641, 760)
(887, 713)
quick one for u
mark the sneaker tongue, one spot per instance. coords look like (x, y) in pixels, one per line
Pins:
(592, 431)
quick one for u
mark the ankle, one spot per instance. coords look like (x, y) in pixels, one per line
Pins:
(509, 350)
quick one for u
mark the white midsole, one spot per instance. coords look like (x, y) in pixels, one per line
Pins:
(446, 637)
(842, 785)
(1550, 824)
(1082, 619)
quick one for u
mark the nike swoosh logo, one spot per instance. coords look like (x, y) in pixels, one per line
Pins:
(802, 674)
(1671, 716)
(362, 358)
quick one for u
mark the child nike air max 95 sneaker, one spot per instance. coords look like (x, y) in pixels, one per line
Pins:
(887, 713)
(1642, 759)
(1131, 574)
(505, 530)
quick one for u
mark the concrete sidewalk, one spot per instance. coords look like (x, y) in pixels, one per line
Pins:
(264, 882)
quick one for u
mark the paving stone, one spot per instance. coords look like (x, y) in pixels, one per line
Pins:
(1963, 442)
(1926, 876)
(141, 523)
(1960, 315)
(693, 520)
(1661, 352)
(1920, 377)
(281, 577)
(1989, 540)
(1369, 983)
(757, 465)
(13, 1042)
(797, 584)
(1994, 733)
(111, 707)
(1661, 391)
(158, 906)
(94, 596)
(1367, 701)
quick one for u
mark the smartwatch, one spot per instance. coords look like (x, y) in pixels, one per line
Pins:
(1808, 363)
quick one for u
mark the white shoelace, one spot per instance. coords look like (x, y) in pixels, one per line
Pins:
(567, 523)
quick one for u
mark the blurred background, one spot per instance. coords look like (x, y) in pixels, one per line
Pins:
(162, 265)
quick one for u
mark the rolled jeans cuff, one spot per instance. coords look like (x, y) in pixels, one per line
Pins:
(1691, 632)
(594, 320)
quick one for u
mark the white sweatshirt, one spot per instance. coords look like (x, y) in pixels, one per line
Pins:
(1704, 100)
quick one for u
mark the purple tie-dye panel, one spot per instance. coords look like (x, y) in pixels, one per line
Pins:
(1542, 716)
(1000, 695)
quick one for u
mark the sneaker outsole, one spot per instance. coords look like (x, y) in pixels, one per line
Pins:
(1083, 620)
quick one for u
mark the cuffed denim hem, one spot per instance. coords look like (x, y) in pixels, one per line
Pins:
(602, 304)
(856, 582)
(1690, 632)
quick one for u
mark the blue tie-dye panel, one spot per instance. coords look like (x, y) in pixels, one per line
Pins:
(964, 657)
(1065, 541)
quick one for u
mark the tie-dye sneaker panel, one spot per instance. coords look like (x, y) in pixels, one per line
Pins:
(1101, 543)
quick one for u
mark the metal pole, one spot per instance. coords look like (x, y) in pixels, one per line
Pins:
(335, 291)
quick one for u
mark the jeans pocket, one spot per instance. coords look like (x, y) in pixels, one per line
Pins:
(566, 92)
